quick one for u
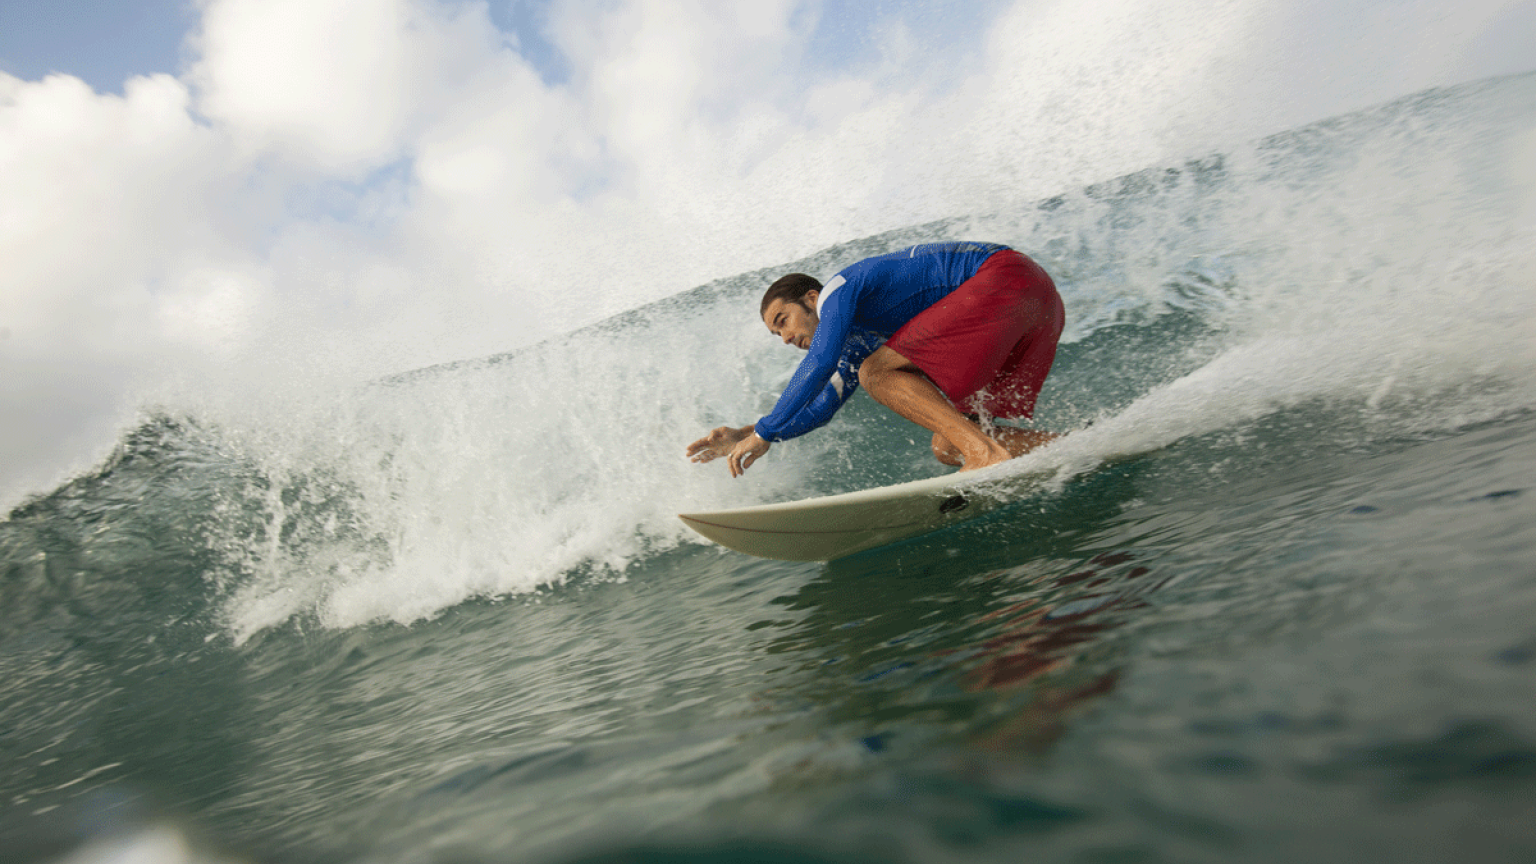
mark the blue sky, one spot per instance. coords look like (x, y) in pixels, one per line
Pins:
(104, 42)
(101, 41)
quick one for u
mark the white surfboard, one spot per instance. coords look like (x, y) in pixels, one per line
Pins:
(835, 526)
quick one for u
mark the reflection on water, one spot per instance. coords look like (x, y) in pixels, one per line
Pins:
(919, 639)
(1051, 649)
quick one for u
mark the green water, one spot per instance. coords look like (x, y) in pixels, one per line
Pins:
(1276, 605)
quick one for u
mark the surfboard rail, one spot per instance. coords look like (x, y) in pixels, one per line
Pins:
(836, 526)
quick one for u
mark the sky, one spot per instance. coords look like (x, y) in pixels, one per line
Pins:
(224, 194)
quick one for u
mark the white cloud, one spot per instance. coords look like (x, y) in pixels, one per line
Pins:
(384, 183)
(95, 192)
(336, 85)
(121, 233)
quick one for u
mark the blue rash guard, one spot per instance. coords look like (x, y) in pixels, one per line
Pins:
(859, 309)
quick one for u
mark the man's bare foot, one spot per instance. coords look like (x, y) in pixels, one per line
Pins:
(1014, 440)
(977, 457)
(1021, 441)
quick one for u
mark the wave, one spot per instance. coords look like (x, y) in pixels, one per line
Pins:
(1379, 264)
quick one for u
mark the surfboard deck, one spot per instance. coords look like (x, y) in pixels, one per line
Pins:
(836, 526)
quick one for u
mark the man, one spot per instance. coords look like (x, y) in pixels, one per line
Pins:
(935, 333)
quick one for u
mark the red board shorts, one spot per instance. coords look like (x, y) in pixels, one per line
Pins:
(989, 344)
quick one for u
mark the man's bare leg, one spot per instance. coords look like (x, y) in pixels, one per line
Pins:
(901, 387)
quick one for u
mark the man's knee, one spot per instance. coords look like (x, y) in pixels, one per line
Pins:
(878, 368)
(869, 373)
(878, 364)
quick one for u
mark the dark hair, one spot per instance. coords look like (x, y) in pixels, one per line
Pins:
(791, 288)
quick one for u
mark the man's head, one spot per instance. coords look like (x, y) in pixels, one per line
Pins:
(789, 309)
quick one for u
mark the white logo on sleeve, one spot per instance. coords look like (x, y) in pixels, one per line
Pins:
(821, 299)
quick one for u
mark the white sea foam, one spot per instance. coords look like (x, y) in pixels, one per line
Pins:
(1380, 267)
(1391, 270)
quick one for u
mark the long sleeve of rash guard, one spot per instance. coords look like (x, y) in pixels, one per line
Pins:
(814, 415)
(794, 415)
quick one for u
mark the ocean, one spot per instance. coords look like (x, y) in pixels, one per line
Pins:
(1276, 602)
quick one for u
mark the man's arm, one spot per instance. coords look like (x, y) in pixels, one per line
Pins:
(821, 409)
(727, 440)
(821, 362)
(744, 446)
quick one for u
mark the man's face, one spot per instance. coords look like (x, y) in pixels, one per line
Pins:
(793, 322)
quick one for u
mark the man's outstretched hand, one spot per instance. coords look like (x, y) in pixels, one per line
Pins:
(741, 446)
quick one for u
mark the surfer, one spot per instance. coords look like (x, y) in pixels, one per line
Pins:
(947, 335)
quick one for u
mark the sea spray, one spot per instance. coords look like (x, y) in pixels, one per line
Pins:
(1370, 263)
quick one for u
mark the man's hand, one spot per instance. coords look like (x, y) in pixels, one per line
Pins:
(717, 443)
(741, 445)
(747, 451)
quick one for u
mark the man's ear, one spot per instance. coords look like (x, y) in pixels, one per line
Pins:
(809, 300)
